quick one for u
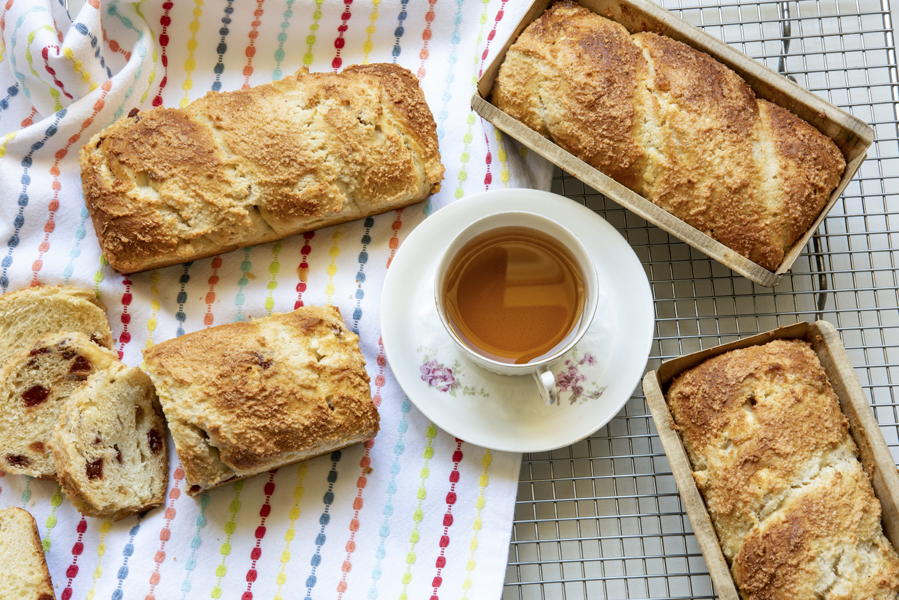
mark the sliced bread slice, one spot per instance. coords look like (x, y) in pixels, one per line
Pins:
(109, 445)
(23, 568)
(31, 313)
(34, 385)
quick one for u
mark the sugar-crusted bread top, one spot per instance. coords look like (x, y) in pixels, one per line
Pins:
(251, 166)
(245, 397)
(34, 386)
(773, 458)
(23, 568)
(30, 313)
(825, 542)
(672, 124)
(756, 422)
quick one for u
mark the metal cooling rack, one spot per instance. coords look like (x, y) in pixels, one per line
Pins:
(602, 518)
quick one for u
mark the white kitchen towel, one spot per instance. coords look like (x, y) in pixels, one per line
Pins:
(414, 513)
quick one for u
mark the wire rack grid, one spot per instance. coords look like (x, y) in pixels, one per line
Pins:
(602, 518)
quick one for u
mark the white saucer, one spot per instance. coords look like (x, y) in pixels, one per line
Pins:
(595, 379)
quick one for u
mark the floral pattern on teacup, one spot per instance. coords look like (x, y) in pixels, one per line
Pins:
(571, 379)
(436, 375)
(571, 382)
(444, 379)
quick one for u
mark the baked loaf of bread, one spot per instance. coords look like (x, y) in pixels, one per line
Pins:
(30, 313)
(34, 386)
(243, 398)
(672, 124)
(795, 514)
(251, 166)
(109, 445)
(23, 568)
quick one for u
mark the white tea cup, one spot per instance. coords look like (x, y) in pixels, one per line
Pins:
(539, 369)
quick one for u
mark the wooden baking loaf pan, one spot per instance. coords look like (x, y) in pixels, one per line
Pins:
(863, 427)
(851, 135)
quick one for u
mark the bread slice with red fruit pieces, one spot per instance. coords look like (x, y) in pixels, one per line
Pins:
(34, 386)
(110, 446)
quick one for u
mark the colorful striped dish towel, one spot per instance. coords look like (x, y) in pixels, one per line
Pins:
(414, 513)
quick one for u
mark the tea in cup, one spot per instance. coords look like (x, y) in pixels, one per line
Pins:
(516, 291)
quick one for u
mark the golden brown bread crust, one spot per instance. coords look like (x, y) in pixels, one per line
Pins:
(243, 398)
(811, 169)
(251, 166)
(672, 124)
(750, 420)
(771, 454)
(699, 125)
(588, 109)
(824, 543)
(23, 567)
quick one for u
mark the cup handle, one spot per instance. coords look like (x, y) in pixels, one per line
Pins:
(546, 383)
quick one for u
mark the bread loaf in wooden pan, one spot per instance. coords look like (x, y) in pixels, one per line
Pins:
(252, 166)
(772, 454)
(673, 125)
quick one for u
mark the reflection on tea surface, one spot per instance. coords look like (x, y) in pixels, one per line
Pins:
(514, 294)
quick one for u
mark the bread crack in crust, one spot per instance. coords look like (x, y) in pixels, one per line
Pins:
(795, 514)
(251, 166)
(34, 386)
(244, 398)
(672, 124)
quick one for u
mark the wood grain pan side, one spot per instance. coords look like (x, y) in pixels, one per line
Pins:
(873, 452)
(689, 493)
(850, 134)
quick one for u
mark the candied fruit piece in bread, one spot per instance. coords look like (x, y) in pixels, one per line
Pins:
(109, 445)
(34, 386)
(23, 568)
